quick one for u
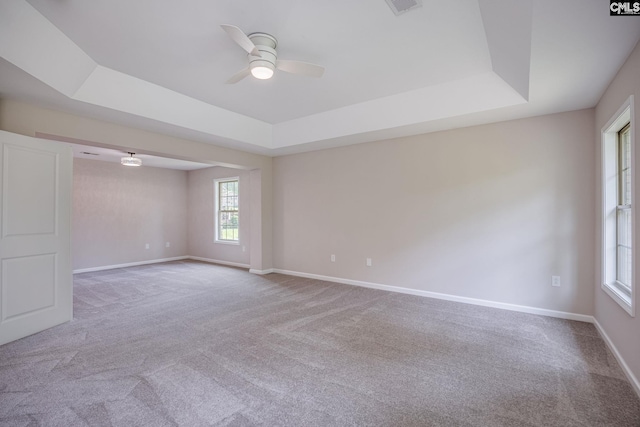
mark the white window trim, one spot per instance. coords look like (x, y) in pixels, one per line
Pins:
(216, 204)
(624, 115)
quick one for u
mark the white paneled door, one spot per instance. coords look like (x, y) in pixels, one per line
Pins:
(36, 288)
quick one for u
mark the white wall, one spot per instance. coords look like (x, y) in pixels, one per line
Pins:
(622, 329)
(201, 214)
(118, 209)
(488, 212)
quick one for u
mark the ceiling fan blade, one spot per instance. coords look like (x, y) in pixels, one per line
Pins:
(299, 67)
(239, 76)
(238, 36)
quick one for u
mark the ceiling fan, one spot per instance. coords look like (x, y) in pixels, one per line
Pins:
(263, 57)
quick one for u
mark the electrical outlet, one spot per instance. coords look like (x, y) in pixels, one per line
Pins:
(168, 244)
(555, 280)
(244, 249)
(146, 246)
(369, 263)
(333, 258)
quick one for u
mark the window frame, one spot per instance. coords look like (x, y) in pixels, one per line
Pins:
(623, 207)
(611, 197)
(217, 211)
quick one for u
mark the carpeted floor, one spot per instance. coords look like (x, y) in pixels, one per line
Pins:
(194, 344)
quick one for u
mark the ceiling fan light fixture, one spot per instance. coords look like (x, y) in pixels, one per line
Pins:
(131, 161)
(261, 72)
(262, 67)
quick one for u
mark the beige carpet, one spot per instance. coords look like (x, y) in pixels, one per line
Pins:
(194, 344)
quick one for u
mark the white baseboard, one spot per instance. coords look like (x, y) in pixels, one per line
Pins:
(156, 261)
(625, 368)
(129, 264)
(217, 261)
(448, 297)
(418, 292)
(262, 272)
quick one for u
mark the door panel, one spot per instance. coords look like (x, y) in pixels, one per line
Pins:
(28, 204)
(33, 276)
(36, 287)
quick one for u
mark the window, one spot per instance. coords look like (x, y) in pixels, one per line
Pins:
(623, 211)
(227, 211)
(618, 207)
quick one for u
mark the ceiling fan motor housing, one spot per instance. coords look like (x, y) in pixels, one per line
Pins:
(266, 45)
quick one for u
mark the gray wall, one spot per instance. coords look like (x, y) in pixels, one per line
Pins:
(622, 329)
(117, 210)
(201, 214)
(488, 212)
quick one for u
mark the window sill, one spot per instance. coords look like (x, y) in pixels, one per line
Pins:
(227, 242)
(620, 297)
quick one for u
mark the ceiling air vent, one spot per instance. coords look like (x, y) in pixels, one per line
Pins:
(401, 6)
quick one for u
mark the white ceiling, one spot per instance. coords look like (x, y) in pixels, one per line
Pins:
(113, 156)
(162, 65)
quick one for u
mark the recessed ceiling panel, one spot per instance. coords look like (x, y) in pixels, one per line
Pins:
(367, 51)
